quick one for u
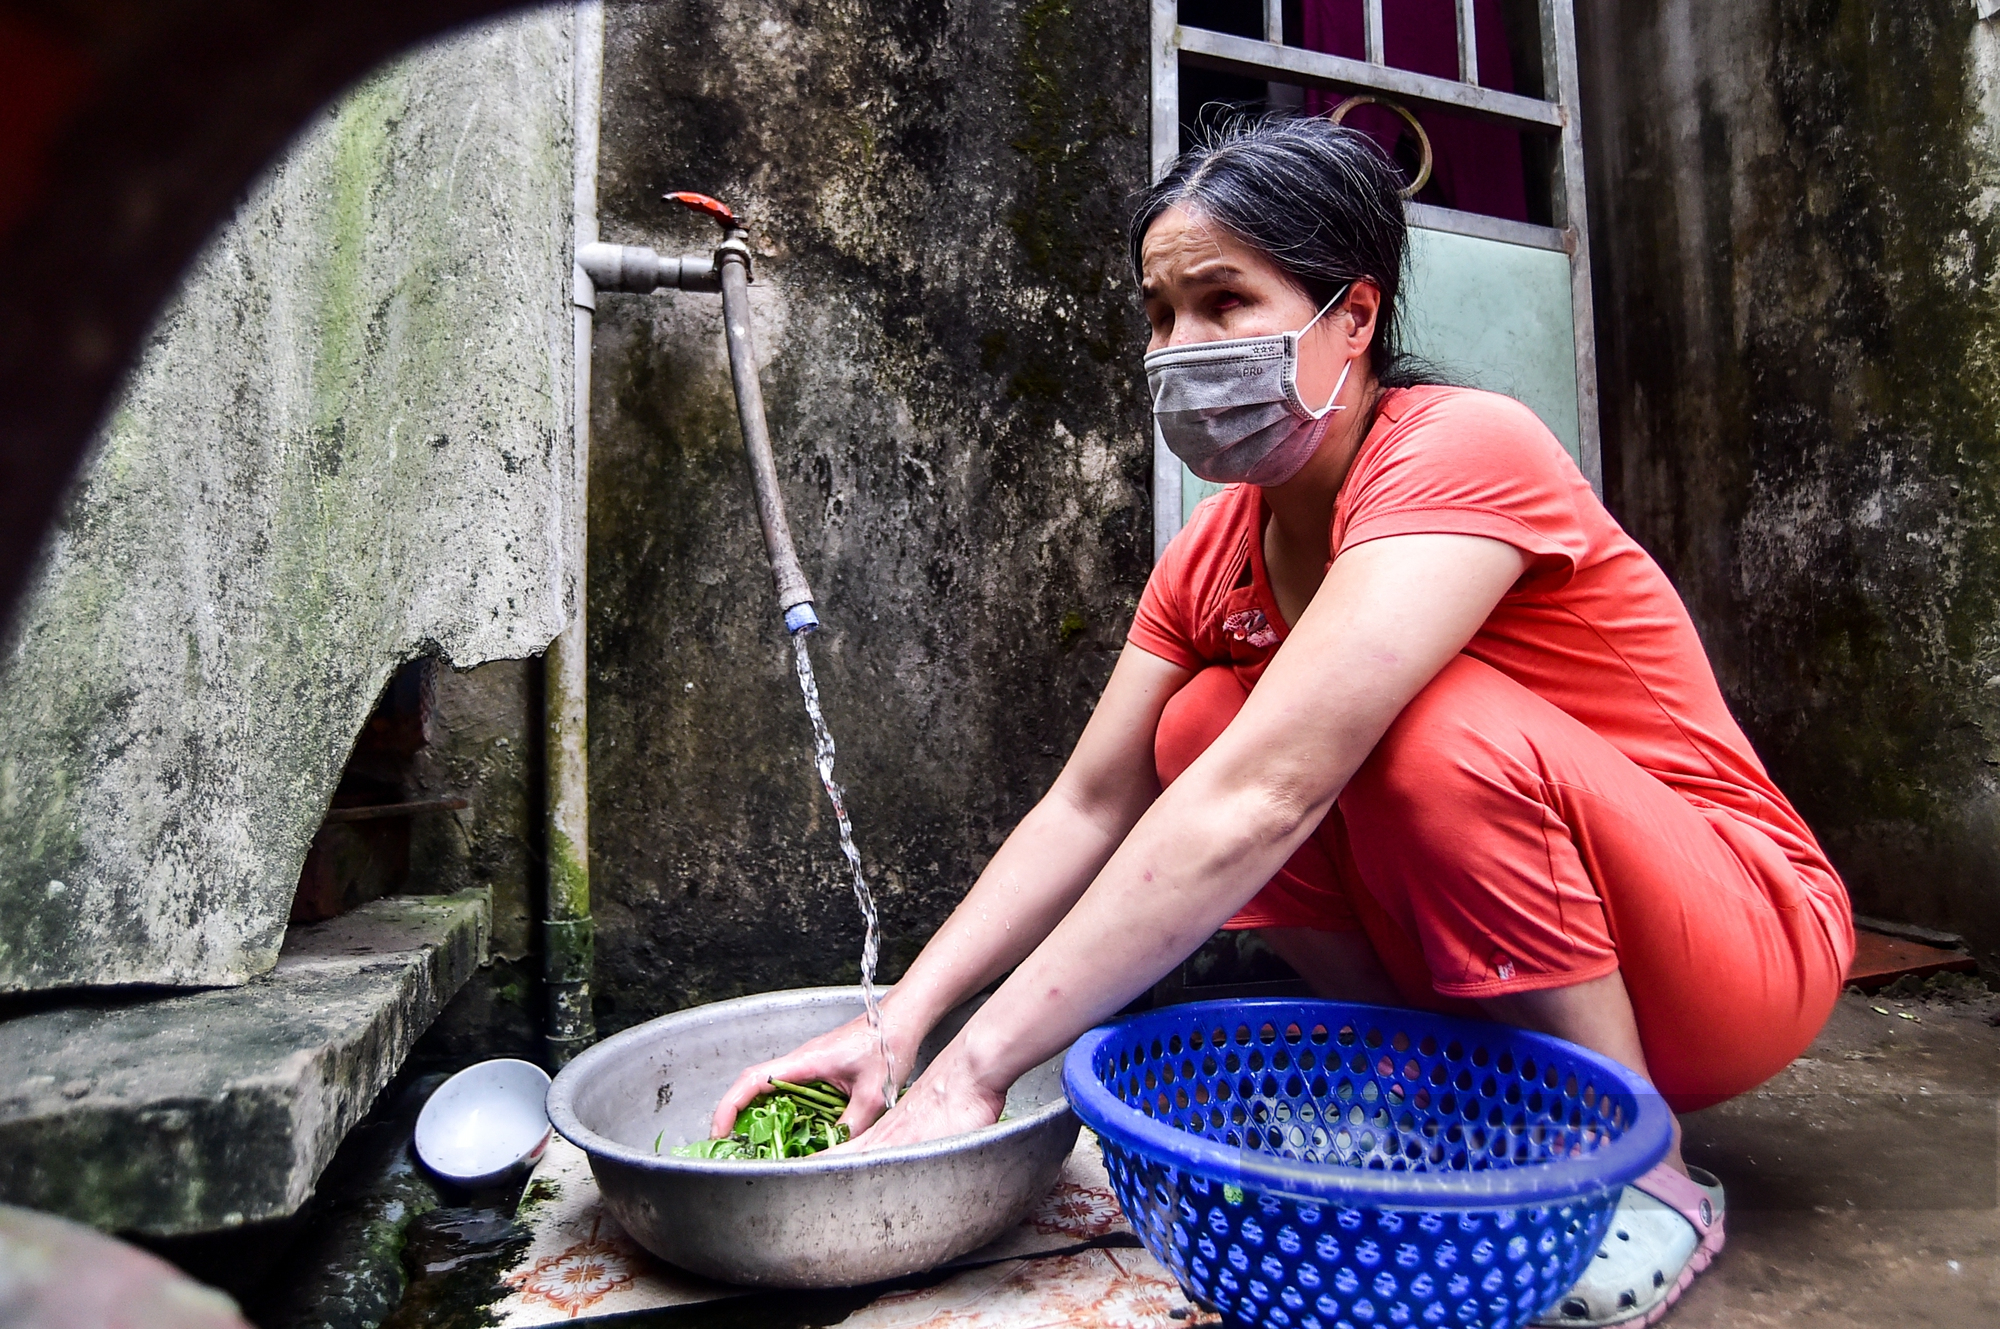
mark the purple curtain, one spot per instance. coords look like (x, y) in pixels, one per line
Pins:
(1476, 166)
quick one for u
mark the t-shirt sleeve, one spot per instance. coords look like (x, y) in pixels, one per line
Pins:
(1161, 625)
(1473, 463)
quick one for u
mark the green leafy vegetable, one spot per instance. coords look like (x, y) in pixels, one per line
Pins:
(786, 1121)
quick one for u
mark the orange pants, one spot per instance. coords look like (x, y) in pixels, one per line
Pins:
(1493, 844)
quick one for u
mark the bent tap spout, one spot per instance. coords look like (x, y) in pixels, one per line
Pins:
(795, 597)
(640, 270)
(732, 269)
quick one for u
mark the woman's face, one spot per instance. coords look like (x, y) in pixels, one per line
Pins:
(1201, 282)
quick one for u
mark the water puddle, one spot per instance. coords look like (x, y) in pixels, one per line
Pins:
(871, 942)
(454, 1259)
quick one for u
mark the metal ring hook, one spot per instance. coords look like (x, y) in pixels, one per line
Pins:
(1339, 113)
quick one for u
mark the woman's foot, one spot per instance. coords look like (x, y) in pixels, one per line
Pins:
(1667, 1228)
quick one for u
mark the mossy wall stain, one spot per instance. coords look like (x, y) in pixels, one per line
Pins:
(1798, 279)
(951, 348)
(339, 451)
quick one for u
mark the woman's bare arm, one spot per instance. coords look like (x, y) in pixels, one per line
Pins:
(1389, 615)
(1034, 879)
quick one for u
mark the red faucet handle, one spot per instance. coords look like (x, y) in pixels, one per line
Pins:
(713, 207)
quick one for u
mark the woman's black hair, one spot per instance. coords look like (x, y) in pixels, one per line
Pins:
(1321, 199)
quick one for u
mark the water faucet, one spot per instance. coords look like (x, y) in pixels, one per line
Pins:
(727, 270)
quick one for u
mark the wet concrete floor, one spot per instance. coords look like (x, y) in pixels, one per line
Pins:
(1864, 1192)
(1864, 1181)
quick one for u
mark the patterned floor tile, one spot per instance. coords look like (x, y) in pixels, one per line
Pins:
(580, 1266)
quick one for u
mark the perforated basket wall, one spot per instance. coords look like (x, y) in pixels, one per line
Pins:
(1333, 1166)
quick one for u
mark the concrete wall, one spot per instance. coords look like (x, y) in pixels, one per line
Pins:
(486, 748)
(345, 446)
(951, 347)
(1798, 285)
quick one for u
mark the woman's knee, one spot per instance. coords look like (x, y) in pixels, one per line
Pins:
(1195, 717)
(1435, 747)
(1337, 966)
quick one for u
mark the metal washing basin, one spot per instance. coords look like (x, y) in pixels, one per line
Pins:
(825, 1221)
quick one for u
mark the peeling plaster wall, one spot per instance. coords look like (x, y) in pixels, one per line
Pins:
(345, 446)
(951, 350)
(1798, 284)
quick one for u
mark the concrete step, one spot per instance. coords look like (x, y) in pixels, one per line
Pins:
(203, 1111)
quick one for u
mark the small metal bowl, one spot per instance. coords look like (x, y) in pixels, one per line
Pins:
(831, 1220)
(485, 1124)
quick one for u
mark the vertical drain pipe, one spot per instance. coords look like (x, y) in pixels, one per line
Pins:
(568, 933)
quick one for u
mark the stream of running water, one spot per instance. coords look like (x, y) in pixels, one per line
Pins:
(871, 941)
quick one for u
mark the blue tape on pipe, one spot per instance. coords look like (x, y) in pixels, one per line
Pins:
(801, 618)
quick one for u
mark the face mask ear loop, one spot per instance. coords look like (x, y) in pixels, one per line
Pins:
(1340, 382)
(1338, 296)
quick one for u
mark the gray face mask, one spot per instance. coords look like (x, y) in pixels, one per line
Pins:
(1231, 409)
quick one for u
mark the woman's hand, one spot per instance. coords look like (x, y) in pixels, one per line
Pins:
(849, 1057)
(946, 1100)
(1033, 880)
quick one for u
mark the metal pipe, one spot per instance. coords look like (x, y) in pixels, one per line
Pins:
(638, 270)
(795, 597)
(569, 940)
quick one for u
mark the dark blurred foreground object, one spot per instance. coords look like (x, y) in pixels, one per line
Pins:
(128, 133)
(55, 1274)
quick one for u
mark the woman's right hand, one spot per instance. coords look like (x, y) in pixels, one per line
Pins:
(849, 1058)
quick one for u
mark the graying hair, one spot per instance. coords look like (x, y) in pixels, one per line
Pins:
(1320, 199)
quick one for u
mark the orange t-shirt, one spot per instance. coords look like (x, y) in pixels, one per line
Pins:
(1594, 627)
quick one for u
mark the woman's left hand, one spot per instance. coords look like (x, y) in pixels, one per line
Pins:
(945, 1100)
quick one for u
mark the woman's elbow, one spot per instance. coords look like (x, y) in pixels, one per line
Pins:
(1264, 809)
(1279, 809)
(1110, 801)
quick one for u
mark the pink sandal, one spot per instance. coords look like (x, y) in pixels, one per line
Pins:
(1666, 1229)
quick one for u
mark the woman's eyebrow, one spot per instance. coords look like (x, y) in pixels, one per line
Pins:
(1208, 272)
(1213, 271)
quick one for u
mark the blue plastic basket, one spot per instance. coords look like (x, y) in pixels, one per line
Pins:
(1324, 1165)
